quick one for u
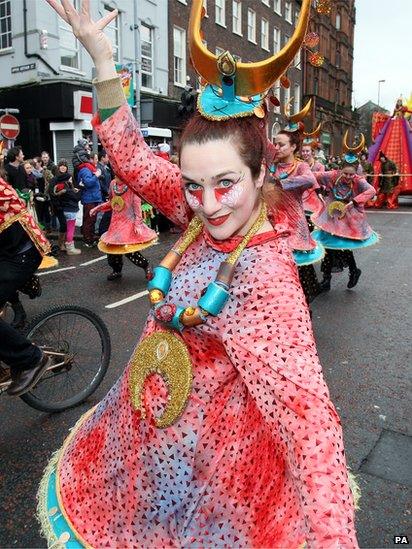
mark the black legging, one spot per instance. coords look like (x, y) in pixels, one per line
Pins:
(309, 282)
(115, 261)
(336, 261)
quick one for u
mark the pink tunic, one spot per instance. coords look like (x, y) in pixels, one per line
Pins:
(311, 202)
(295, 186)
(127, 225)
(256, 459)
(354, 224)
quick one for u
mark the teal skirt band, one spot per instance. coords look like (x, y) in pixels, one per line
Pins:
(57, 523)
(308, 258)
(334, 242)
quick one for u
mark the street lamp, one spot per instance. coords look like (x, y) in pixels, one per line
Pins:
(379, 90)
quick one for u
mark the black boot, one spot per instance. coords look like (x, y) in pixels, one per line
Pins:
(354, 277)
(114, 276)
(19, 315)
(325, 285)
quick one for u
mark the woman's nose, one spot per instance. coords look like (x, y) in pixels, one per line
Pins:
(210, 204)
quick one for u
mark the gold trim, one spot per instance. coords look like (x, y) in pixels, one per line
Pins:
(295, 118)
(251, 78)
(314, 133)
(122, 249)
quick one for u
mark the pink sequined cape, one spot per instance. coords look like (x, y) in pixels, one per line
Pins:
(256, 459)
(354, 224)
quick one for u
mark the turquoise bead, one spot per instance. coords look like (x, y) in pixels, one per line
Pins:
(214, 299)
(162, 279)
(175, 323)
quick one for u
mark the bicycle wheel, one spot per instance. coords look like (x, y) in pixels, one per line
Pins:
(79, 344)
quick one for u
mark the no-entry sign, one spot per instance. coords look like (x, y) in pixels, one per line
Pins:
(9, 126)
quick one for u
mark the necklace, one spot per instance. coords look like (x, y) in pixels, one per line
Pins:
(274, 169)
(337, 194)
(117, 202)
(214, 297)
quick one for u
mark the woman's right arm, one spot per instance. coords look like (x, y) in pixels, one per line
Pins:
(155, 179)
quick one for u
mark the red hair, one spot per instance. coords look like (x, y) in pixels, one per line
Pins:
(248, 134)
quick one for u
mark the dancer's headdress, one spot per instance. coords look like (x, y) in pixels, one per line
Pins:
(311, 138)
(235, 89)
(351, 154)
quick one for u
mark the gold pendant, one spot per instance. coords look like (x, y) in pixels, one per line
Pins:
(117, 203)
(165, 354)
(337, 206)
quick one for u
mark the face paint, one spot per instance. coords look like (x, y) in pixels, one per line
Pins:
(230, 196)
(194, 196)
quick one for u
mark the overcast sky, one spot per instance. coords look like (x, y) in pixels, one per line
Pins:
(383, 51)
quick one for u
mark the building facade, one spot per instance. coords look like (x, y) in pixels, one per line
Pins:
(365, 113)
(47, 75)
(251, 31)
(330, 85)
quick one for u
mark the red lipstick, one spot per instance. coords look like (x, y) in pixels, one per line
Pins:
(216, 221)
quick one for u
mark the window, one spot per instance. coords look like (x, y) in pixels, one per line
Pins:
(276, 128)
(205, 7)
(251, 25)
(219, 51)
(5, 24)
(296, 61)
(288, 11)
(237, 17)
(286, 95)
(276, 40)
(296, 98)
(237, 58)
(277, 6)
(338, 21)
(112, 31)
(266, 2)
(220, 16)
(69, 47)
(146, 41)
(264, 34)
(179, 56)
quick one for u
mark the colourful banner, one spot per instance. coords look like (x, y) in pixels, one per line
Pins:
(125, 71)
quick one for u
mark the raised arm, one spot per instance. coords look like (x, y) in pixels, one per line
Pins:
(365, 192)
(302, 179)
(153, 178)
(326, 179)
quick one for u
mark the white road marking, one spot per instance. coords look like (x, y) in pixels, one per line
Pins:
(93, 261)
(51, 271)
(391, 212)
(126, 300)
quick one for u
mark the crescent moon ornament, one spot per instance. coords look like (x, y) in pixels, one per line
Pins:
(117, 203)
(165, 354)
(337, 206)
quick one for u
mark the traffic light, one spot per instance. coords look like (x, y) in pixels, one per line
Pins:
(188, 101)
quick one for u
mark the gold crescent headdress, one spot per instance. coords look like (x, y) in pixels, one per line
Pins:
(351, 153)
(231, 81)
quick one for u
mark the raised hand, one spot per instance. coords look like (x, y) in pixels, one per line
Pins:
(89, 33)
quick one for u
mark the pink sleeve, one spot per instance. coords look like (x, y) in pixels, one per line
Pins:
(156, 180)
(273, 350)
(366, 191)
(326, 179)
(304, 179)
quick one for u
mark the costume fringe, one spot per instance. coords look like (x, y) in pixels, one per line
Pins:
(354, 487)
(42, 513)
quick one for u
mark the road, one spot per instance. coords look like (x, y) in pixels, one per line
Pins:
(363, 339)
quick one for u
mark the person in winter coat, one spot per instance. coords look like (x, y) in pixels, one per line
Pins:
(66, 198)
(88, 180)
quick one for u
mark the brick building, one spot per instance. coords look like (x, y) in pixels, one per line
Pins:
(331, 85)
(251, 31)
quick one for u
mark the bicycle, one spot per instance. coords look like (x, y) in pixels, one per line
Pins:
(78, 342)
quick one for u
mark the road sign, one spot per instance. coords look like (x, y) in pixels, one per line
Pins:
(9, 126)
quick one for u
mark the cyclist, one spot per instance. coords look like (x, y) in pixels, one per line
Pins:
(22, 246)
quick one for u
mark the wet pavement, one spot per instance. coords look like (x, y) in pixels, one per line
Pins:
(363, 339)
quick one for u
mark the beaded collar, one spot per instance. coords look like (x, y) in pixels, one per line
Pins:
(213, 298)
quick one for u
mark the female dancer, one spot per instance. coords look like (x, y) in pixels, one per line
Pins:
(342, 224)
(295, 177)
(241, 447)
(127, 232)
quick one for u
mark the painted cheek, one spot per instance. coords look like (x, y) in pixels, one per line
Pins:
(194, 198)
(229, 197)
